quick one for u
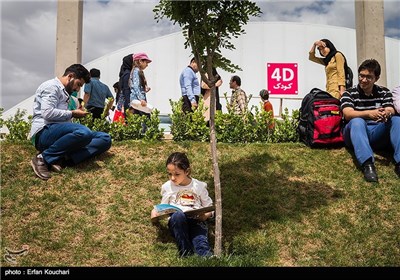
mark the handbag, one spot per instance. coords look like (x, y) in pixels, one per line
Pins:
(119, 116)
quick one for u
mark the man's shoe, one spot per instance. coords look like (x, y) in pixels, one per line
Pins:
(397, 169)
(56, 167)
(370, 173)
(40, 167)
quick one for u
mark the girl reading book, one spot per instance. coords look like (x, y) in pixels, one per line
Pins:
(187, 193)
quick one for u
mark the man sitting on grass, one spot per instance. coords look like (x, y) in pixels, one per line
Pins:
(59, 141)
(371, 124)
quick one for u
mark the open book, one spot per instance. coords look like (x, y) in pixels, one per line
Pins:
(164, 210)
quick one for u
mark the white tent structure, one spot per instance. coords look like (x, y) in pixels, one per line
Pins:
(263, 45)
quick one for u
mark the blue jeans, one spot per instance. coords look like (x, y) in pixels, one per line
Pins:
(364, 136)
(73, 141)
(190, 235)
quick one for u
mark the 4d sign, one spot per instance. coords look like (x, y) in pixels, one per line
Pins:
(282, 78)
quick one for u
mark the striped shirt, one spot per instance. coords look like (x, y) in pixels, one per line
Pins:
(355, 98)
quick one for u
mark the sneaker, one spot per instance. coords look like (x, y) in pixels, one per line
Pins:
(40, 167)
(370, 173)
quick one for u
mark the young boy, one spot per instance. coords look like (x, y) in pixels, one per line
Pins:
(264, 94)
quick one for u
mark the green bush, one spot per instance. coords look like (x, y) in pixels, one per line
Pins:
(18, 127)
(285, 129)
(259, 126)
(130, 130)
(188, 126)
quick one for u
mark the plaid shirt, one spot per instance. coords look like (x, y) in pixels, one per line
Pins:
(238, 101)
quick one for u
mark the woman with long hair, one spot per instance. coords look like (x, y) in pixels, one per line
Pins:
(138, 85)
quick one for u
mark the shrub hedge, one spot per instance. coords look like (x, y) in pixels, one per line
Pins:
(255, 125)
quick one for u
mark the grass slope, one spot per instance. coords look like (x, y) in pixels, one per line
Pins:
(283, 205)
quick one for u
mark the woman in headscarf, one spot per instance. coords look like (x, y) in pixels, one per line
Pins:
(123, 102)
(333, 61)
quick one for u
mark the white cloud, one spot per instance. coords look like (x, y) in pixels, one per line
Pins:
(121, 24)
(28, 48)
(339, 13)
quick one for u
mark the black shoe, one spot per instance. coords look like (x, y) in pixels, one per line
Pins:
(40, 168)
(370, 172)
(397, 169)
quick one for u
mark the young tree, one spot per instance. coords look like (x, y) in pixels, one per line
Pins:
(209, 26)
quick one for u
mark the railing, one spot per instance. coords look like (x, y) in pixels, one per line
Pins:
(281, 103)
(255, 99)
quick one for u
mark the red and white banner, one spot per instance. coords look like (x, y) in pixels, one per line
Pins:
(282, 78)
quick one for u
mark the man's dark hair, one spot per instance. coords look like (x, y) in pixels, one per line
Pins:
(79, 71)
(192, 60)
(372, 66)
(94, 73)
(237, 80)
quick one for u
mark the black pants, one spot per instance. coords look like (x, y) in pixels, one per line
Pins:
(96, 112)
(187, 105)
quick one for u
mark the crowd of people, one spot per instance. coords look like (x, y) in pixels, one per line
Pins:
(371, 121)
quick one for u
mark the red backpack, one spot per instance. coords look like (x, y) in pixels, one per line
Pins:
(320, 120)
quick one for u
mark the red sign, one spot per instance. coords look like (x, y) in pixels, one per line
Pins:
(282, 78)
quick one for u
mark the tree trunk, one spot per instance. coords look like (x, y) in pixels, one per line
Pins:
(217, 181)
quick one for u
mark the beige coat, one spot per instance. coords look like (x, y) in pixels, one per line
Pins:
(334, 71)
(207, 97)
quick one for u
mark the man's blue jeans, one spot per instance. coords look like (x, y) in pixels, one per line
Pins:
(190, 235)
(72, 141)
(364, 136)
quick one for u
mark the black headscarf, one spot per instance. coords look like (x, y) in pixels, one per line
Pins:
(124, 73)
(127, 62)
(331, 53)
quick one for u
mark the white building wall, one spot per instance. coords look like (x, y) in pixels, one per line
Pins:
(277, 42)
(264, 42)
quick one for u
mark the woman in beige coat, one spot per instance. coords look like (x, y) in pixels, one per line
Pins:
(334, 66)
(206, 92)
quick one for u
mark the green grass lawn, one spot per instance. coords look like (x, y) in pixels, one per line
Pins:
(283, 205)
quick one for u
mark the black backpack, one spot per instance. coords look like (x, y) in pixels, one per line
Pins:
(320, 120)
(348, 74)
